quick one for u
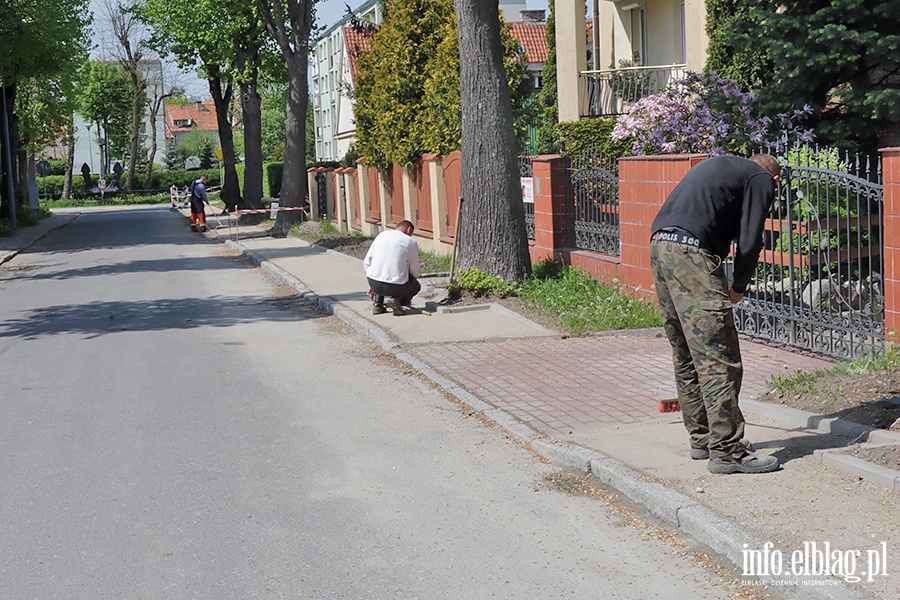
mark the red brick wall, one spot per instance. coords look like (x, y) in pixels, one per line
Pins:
(644, 184)
(891, 275)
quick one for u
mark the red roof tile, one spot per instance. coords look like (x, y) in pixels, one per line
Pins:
(356, 41)
(533, 38)
(200, 117)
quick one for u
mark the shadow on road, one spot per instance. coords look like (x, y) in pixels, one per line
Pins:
(101, 318)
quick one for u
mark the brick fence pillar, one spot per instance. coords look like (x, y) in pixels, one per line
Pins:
(644, 184)
(891, 236)
(551, 210)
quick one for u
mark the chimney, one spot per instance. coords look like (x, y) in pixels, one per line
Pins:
(533, 16)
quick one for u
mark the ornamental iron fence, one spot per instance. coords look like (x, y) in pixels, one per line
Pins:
(594, 189)
(818, 285)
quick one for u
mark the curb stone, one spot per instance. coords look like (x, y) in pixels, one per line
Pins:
(678, 510)
(871, 472)
(11, 254)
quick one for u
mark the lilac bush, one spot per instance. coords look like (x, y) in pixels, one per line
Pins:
(708, 114)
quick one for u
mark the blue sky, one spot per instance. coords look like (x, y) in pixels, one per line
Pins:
(330, 12)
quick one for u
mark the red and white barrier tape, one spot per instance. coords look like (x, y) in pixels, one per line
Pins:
(258, 211)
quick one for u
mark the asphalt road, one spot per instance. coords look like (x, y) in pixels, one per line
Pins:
(175, 425)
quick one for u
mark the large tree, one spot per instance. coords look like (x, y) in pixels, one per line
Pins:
(727, 24)
(192, 32)
(39, 40)
(492, 219)
(289, 22)
(407, 88)
(255, 57)
(128, 48)
(841, 57)
(160, 87)
(104, 97)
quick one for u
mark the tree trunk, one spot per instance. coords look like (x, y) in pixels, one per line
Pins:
(151, 155)
(492, 229)
(22, 189)
(10, 143)
(70, 156)
(293, 182)
(137, 86)
(251, 111)
(231, 191)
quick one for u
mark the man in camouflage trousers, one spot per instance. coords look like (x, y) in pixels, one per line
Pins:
(723, 199)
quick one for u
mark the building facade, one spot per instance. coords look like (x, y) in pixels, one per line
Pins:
(645, 41)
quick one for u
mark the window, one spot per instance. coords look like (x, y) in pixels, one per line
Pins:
(639, 35)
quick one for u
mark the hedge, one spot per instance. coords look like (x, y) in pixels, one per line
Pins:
(578, 136)
(160, 181)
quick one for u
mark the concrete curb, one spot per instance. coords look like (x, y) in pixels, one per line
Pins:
(871, 472)
(677, 509)
(11, 254)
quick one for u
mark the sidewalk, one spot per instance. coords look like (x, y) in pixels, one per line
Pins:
(591, 403)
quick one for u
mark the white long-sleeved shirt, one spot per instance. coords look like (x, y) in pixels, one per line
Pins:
(392, 257)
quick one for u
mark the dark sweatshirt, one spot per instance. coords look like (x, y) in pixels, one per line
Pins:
(721, 200)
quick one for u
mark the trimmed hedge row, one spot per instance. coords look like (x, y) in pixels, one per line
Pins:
(160, 181)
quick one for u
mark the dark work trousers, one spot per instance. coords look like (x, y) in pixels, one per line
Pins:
(698, 318)
(402, 291)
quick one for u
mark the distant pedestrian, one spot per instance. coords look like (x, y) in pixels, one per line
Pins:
(723, 199)
(198, 198)
(392, 269)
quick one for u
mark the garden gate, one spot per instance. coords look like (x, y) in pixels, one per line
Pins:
(818, 285)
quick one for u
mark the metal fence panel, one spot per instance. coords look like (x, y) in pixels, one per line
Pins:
(818, 285)
(595, 193)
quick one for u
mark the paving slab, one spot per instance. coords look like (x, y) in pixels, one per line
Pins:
(341, 278)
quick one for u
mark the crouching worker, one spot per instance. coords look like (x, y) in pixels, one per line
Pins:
(392, 266)
(198, 197)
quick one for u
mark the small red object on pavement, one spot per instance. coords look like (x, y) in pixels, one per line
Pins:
(667, 406)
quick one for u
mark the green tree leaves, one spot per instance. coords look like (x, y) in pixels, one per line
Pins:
(842, 57)
(407, 88)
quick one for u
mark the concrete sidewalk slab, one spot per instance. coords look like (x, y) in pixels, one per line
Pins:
(341, 278)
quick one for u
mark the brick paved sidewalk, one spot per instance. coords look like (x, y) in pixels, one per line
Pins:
(574, 385)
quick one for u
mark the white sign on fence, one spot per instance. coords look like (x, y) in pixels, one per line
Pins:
(527, 189)
(273, 211)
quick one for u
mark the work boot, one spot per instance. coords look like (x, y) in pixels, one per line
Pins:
(394, 303)
(703, 453)
(378, 308)
(742, 462)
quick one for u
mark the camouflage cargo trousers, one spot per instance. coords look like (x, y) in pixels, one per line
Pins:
(697, 315)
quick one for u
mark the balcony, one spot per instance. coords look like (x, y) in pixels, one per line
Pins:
(608, 93)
